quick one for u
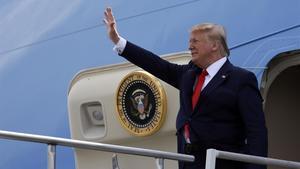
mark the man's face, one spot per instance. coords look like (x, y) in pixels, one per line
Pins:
(201, 49)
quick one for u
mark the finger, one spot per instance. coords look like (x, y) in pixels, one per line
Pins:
(108, 17)
(105, 21)
(108, 9)
(109, 24)
(110, 14)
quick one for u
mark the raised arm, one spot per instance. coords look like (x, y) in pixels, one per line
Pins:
(152, 63)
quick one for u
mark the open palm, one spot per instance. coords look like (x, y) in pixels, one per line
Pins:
(110, 23)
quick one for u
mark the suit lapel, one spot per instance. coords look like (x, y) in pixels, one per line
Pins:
(217, 80)
(187, 90)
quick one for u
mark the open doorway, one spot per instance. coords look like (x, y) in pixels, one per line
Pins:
(282, 106)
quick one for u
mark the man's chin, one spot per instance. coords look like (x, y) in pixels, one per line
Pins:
(193, 60)
(196, 62)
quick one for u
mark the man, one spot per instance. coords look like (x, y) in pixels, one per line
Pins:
(220, 104)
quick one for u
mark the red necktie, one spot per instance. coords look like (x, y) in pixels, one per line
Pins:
(195, 98)
(197, 90)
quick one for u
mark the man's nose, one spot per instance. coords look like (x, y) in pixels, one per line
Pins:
(190, 46)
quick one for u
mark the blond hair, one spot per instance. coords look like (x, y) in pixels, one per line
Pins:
(214, 32)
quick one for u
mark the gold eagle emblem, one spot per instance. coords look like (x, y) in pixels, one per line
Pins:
(141, 103)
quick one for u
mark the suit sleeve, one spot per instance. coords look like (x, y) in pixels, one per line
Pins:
(250, 107)
(166, 71)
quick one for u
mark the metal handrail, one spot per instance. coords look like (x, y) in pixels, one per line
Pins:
(212, 154)
(53, 141)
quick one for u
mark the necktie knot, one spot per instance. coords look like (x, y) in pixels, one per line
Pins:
(204, 72)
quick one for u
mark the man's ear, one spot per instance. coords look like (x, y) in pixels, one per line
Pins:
(215, 46)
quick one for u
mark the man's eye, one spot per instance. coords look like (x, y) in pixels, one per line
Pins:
(194, 41)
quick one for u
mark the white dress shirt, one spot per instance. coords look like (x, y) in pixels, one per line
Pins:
(213, 69)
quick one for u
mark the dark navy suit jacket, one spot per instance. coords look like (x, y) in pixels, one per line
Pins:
(228, 115)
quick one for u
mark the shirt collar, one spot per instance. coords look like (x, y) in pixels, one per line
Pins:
(216, 66)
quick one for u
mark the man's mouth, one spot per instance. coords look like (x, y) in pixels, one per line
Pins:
(193, 53)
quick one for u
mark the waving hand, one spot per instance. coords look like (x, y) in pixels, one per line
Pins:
(111, 25)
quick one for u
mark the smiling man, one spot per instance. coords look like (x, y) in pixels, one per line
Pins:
(220, 104)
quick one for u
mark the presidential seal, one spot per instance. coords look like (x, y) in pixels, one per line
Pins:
(141, 103)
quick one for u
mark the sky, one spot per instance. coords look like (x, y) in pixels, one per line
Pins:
(26, 21)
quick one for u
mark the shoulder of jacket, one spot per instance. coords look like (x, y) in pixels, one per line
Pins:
(241, 71)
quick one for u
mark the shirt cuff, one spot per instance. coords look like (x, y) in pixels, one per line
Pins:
(120, 46)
